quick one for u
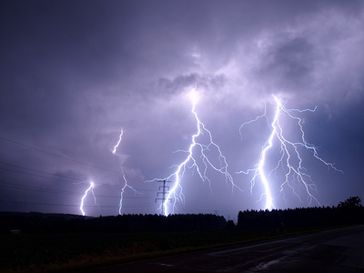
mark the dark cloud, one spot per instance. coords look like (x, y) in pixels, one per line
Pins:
(291, 62)
(73, 73)
(189, 81)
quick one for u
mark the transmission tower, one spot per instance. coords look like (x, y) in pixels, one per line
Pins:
(162, 192)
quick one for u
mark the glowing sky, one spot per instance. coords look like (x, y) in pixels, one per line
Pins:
(74, 72)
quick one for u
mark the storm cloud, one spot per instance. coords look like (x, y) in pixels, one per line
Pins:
(73, 73)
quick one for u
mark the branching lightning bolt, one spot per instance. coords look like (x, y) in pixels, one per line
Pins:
(125, 181)
(291, 159)
(90, 188)
(196, 150)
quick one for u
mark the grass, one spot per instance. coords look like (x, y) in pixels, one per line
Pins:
(47, 252)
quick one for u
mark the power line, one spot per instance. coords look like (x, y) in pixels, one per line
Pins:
(36, 186)
(73, 193)
(18, 169)
(23, 187)
(33, 172)
(57, 154)
(57, 205)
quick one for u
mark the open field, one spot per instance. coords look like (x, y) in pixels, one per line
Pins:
(332, 251)
(41, 252)
(57, 250)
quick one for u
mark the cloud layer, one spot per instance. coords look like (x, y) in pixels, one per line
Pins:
(73, 74)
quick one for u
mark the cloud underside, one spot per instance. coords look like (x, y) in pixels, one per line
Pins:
(74, 74)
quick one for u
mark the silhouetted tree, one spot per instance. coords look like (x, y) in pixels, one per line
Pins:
(351, 202)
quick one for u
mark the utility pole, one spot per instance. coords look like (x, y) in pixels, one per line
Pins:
(162, 192)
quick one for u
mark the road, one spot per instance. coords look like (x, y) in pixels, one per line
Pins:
(340, 250)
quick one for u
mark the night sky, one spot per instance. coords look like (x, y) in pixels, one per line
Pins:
(73, 73)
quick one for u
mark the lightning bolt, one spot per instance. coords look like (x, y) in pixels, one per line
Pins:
(90, 188)
(290, 160)
(119, 141)
(123, 189)
(126, 184)
(197, 152)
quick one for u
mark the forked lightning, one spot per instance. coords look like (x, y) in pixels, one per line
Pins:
(291, 159)
(197, 158)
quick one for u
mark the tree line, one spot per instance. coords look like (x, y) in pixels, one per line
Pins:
(348, 212)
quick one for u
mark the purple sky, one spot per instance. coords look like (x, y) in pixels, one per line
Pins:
(74, 72)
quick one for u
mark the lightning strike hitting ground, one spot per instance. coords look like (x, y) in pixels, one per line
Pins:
(123, 189)
(90, 188)
(291, 159)
(125, 181)
(195, 151)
